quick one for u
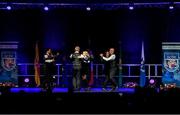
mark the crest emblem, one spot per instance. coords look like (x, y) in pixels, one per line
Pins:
(171, 61)
(8, 60)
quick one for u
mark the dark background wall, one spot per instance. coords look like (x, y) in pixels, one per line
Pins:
(62, 29)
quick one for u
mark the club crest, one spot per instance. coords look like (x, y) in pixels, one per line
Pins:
(171, 61)
(8, 60)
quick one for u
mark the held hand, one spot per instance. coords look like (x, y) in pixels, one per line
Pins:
(101, 55)
(57, 53)
(83, 77)
(81, 56)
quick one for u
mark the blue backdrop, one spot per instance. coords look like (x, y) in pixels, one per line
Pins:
(171, 66)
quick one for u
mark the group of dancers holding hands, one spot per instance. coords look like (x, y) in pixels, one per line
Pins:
(81, 68)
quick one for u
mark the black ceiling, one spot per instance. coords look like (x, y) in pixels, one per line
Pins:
(96, 4)
(86, 1)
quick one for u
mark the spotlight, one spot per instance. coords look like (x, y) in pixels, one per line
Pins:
(8, 7)
(26, 80)
(171, 7)
(88, 8)
(151, 81)
(131, 8)
(46, 8)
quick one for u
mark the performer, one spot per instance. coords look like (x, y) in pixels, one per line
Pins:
(86, 60)
(106, 67)
(110, 68)
(76, 58)
(49, 69)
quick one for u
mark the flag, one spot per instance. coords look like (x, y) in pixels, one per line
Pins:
(91, 81)
(120, 72)
(120, 65)
(142, 68)
(91, 75)
(37, 66)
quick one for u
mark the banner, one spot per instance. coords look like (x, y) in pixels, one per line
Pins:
(142, 80)
(37, 66)
(171, 65)
(8, 66)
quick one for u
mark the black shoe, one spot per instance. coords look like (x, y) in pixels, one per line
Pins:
(74, 89)
(89, 88)
(85, 89)
(77, 89)
(113, 89)
(44, 89)
(104, 89)
(49, 89)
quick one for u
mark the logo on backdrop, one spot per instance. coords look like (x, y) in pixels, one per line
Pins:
(171, 61)
(8, 60)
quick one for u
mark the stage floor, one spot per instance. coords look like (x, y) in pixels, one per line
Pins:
(124, 100)
(65, 90)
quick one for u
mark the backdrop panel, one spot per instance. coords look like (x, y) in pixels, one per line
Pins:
(171, 65)
(8, 68)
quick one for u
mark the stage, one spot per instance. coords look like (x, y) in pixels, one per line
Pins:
(132, 45)
(65, 90)
(124, 100)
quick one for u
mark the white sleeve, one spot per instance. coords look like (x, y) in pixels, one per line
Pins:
(45, 56)
(81, 56)
(71, 56)
(112, 57)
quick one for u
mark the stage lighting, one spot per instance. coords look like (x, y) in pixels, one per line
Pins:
(130, 84)
(26, 80)
(88, 8)
(46, 8)
(171, 7)
(8, 7)
(168, 86)
(131, 8)
(151, 81)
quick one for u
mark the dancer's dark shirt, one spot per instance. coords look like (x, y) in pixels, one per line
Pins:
(49, 58)
(106, 66)
(111, 60)
(86, 64)
(76, 60)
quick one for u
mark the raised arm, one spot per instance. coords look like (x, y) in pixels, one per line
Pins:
(112, 57)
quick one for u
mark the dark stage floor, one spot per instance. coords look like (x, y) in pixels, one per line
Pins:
(141, 101)
(65, 90)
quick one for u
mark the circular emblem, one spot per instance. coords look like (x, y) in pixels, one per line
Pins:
(8, 63)
(171, 65)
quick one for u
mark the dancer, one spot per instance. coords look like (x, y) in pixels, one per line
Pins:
(106, 68)
(111, 70)
(77, 61)
(49, 69)
(86, 60)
